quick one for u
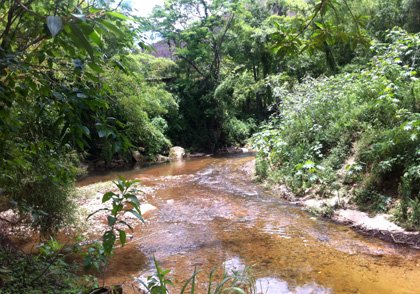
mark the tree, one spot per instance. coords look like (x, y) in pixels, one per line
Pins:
(197, 32)
(52, 56)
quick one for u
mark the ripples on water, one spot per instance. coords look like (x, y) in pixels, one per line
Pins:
(211, 215)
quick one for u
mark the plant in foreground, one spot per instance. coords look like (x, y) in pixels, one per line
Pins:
(122, 202)
(240, 281)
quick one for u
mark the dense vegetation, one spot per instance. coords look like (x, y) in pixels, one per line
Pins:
(74, 88)
(353, 131)
(328, 89)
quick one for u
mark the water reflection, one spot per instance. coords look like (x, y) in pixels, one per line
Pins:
(277, 286)
(274, 285)
(210, 215)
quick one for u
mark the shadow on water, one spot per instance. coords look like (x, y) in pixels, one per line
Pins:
(210, 215)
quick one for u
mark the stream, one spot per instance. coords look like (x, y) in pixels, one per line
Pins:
(211, 215)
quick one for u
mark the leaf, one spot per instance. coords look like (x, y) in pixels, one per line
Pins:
(80, 37)
(102, 133)
(95, 67)
(108, 241)
(123, 237)
(85, 130)
(191, 280)
(126, 224)
(111, 220)
(133, 199)
(79, 16)
(120, 66)
(96, 211)
(54, 24)
(111, 27)
(107, 196)
(120, 183)
(116, 208)
(81, 95)
(96, 38)
(118, 15)
(136, 214)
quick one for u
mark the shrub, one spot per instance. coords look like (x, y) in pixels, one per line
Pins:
(376, 106)
(40, 186)
(43, 273)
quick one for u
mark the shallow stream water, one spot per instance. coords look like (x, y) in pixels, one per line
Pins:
(211, 215)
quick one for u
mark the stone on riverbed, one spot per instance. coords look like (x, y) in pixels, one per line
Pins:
(137, 156)
(176, 153)
(161, 158)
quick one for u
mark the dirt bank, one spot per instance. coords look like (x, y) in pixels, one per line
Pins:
(379, 226)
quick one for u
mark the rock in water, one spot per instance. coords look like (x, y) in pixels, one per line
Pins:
(161, 158)
(137, 156)
(176, 153)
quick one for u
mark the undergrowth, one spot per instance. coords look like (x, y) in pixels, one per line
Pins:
(367, 112)
(41, 273)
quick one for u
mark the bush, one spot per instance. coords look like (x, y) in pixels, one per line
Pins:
(20, 273)
(376, 106)
(237, 131)
(40, 186)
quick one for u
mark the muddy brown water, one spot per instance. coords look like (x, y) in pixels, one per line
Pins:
(211, 215)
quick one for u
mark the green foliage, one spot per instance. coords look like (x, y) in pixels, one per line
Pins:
(71, 89)
(237, 131)
(43, 273)
(40, 184)
(122, 202)
(142, 105)
(370, 113)
(158, 284)
(48, 271)
(335, 28)
(214, 107)
(240, 281)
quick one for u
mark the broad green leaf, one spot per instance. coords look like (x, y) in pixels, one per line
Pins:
(95, 67)
(108, 241)
(123, 237)
(82, 41)
(116, 208)
(136, 214)
(111, 27)
(107, 196)
(96, 38)
(133, 199)
(118, 15)
(85, 130)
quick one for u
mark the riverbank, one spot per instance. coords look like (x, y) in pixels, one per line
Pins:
(208, 213)
(379, 226)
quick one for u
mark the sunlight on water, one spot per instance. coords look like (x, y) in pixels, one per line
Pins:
(210, 215)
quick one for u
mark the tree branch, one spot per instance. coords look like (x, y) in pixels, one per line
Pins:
(193, 65)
